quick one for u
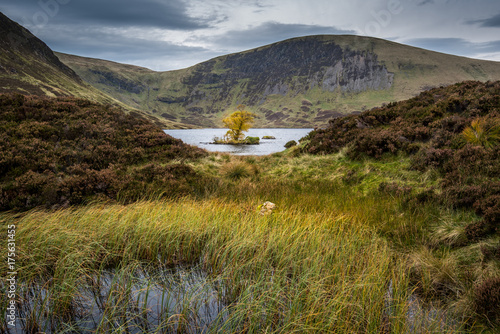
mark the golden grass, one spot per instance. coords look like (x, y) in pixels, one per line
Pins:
(335, 257)
(298, 270)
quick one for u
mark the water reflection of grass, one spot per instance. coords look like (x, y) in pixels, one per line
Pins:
(134, 297)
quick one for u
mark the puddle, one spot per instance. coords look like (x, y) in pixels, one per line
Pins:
(170, 300)
(422, 317)
(163, 300)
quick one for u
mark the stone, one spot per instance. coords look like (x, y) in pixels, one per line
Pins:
(267, 208)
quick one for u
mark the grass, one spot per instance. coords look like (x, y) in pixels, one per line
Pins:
(298, 270)
(337, 256)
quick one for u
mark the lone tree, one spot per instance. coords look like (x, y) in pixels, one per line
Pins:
(238, 122)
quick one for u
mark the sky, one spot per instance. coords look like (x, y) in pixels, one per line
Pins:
(173, 34)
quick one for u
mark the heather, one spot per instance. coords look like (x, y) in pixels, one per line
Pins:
(66, 151)
(438, 130)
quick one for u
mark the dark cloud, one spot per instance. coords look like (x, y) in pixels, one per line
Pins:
(124, 30)
(93, 43)
(171, 14)
(101, 29)
(457, 46)
(492, 22)
(271, 32)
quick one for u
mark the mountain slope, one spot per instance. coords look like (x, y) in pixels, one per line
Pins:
(29, 67)
(301, 82)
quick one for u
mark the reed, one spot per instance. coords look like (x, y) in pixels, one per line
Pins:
(297, 270)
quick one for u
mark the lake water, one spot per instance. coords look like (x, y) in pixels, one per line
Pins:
(203, 137)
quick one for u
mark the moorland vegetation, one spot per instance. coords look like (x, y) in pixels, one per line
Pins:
(63, 151)
(386, 222)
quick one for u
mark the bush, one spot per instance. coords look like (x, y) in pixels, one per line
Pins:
(477, 230)
(487, 299)
(252, 140)
(291, 143)
(60, 151)
(491, 252)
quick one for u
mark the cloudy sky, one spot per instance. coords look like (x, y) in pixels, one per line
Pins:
(173, 34)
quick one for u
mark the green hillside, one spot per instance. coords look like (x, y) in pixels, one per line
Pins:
(301, 82)
(29, 67)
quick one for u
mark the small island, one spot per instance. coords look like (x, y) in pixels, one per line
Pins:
(238, 122)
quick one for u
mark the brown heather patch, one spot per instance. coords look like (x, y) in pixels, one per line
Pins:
(429, 129)
(65, 151)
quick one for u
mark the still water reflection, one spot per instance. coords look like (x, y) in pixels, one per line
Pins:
(203, 138)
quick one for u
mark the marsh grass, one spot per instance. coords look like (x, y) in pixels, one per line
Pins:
(299, 270)
(333, 258)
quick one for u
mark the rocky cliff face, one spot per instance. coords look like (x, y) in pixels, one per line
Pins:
(288, 68)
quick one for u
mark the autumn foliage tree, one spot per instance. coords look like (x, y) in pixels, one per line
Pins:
(238, 122)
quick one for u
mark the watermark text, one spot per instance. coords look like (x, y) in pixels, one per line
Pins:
(11, 276)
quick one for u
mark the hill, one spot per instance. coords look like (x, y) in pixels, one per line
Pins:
(64, 151)
(453, 132)
(301, 82)
(29, 67)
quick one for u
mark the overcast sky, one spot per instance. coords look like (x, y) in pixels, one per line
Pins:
(173, 34)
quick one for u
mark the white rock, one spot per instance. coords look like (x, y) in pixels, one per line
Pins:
(267, 208)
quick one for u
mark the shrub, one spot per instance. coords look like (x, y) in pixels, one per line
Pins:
(431, 158)
(252, 140)
(487, 299)
(291, 143)
(426, 196)
(460, 195)
(491, 252)
(477, 230)
(58, 151)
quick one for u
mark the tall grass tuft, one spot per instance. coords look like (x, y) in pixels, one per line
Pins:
(296, 271)
(482, 131)
(237, 170)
